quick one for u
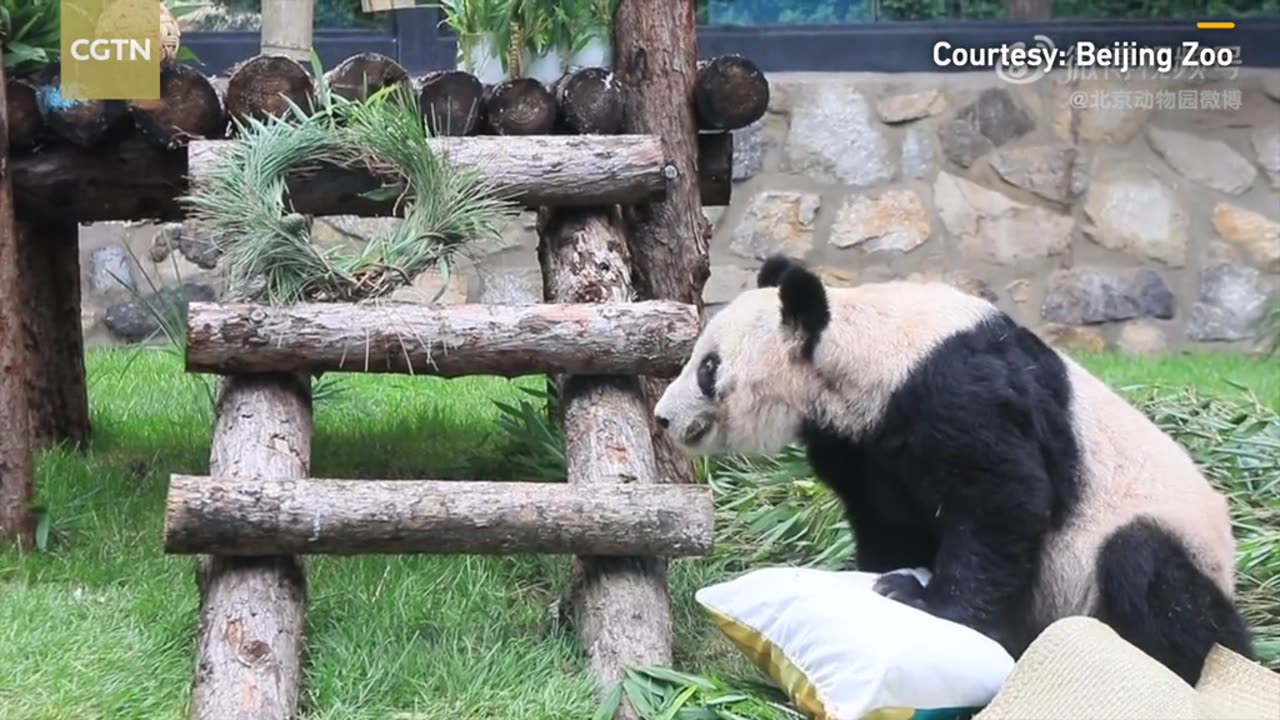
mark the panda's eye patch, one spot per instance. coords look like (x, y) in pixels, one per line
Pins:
(707, 370)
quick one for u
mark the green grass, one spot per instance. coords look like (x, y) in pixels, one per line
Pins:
(102, 624)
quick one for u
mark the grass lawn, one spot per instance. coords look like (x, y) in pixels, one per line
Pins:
(102, 625)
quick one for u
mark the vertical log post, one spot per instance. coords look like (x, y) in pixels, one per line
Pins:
(249, 642)
(286, 29)
(49, 255)
(621, 606)
(17, 480)
(657, 60)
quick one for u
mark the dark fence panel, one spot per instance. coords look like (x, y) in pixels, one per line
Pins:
(416, 39)
(218, 51)
(908, 46)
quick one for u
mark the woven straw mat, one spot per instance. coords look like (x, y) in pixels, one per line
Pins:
(1080, 669)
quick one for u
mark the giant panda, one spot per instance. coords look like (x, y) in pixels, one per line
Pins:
(958, 441)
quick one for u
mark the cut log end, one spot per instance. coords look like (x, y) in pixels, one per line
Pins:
(24, 114)
(648, 338)
(729, 93)
(589, 102)
(264, 86)
(280, 516)
(188, 108)
(451, 102)
(521, 106)
(362, 75)
(86, 123)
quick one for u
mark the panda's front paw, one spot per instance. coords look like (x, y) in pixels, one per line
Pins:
(903, 587)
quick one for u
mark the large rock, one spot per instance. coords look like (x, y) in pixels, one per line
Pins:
(1208, 162)
(989, 122)
(1058, 171)
(1081, 115)
(1266, 145)
(133, 321)
(962, 280)
(835, 131)
(906, 107)
(1141, 338)
(988, 226)
(895, 221)
(431, 287)
(164, 242)
(511, 287)
(1072, 338)
(776, 222)
(110, 270)
(1088, 296)
(748, 150)
(726, 282)
(1130, 210)
(1271, 85)
(919, 153)
(1258, 234)
(1232, 299)
(202, 251)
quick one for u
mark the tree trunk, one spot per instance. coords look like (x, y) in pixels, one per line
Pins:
(443, 340)
(25, 123)
(588, 102)
(17, 480)
(264, 86)
(730, 93)
(189, 107)
(364, 74)
(621, 605)
(520, 106)
(50, 260)
(249, 643)
(272, 516)
(286, 28)
(84, 123)
(537, 171)
(128, 180)
(451, 101)
(715, 168)
(669, 238)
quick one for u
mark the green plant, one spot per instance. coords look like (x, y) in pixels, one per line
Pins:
(659, 693)
(472, 19)
(1269, 327)
(31, 32)
(266, 247)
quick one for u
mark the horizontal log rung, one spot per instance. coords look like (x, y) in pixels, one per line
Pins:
(349, 517)
(652, 337)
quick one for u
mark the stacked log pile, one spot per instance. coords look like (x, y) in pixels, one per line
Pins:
(115, 160)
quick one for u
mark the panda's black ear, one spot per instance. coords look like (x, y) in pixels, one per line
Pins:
(804, 305)
(772, 270)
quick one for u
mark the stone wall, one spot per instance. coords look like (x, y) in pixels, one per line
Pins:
(1141, 214)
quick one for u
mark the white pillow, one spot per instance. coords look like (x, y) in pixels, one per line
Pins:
(841, 651)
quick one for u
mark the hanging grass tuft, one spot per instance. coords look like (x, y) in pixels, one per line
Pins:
(267, 250)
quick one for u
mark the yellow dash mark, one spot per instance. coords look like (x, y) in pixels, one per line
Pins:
(1215, 25)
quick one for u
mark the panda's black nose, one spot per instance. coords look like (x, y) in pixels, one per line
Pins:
(662, 422)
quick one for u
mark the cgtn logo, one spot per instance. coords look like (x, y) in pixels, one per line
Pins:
(111, 49)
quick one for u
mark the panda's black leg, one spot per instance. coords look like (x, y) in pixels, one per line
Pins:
(986, 563)
(880, 549)
(1153, 595)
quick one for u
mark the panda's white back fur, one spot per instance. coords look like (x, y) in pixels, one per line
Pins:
(1130, 468)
